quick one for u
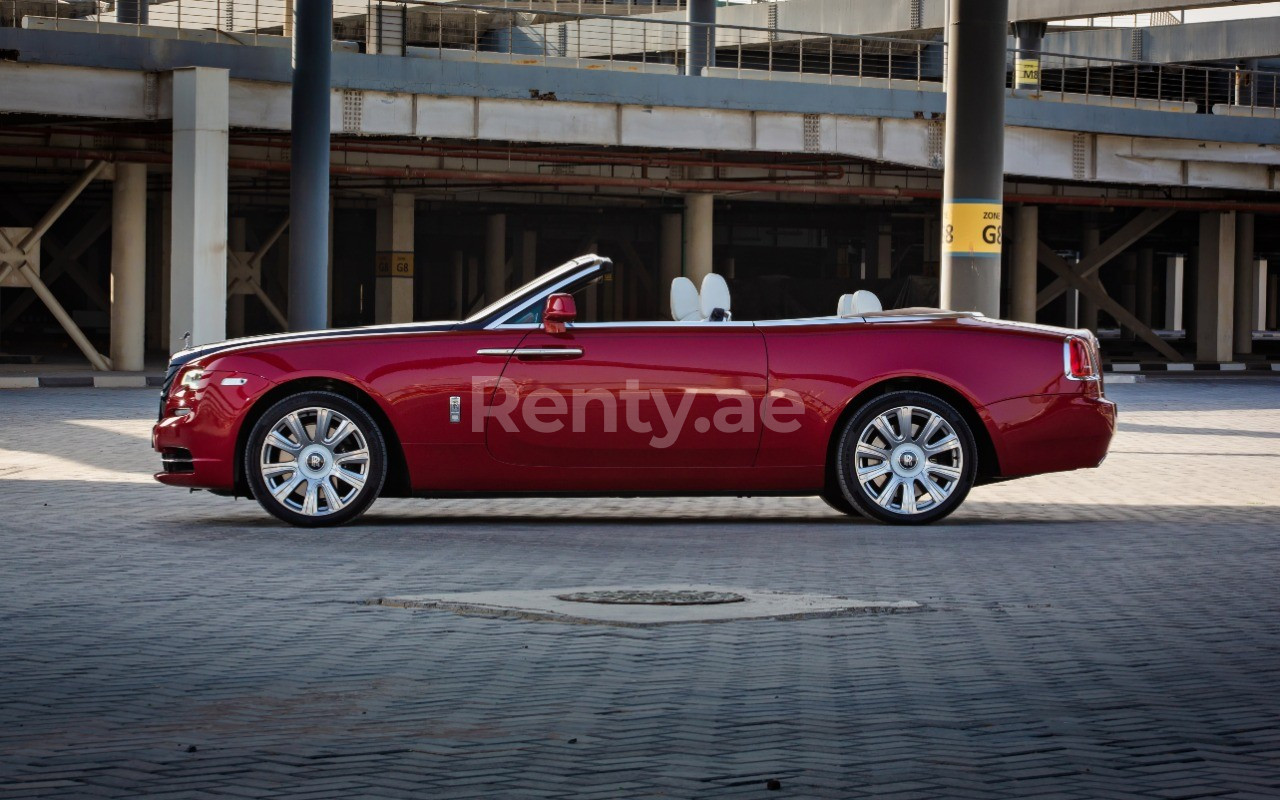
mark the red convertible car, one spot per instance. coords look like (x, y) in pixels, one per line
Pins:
(891, 415)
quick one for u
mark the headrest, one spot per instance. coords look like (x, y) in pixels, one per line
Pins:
(715, 294)
(860, 302)
(684, 301)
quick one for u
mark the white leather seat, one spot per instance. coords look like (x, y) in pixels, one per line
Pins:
(685, 304)
(715, 295)
(860, 302)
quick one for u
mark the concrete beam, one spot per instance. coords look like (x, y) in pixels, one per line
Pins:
(198, 279)
(1228, 40)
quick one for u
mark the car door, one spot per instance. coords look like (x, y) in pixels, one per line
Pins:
(631, 396)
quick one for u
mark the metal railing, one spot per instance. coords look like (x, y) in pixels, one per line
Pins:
(1191, 88)
(557, 33)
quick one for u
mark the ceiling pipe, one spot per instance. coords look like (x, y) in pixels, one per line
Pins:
(529, 179)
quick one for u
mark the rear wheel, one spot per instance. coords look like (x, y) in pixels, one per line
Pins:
(316, 459)
(833, 497)
(906, 458)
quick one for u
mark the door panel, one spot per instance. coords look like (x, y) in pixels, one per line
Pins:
(631, 397)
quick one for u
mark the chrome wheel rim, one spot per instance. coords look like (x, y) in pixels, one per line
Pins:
(908, 460)
(315, 461)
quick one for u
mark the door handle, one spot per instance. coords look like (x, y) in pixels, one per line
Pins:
(547, 352)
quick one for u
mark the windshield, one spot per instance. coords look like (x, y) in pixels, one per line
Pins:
(533, 288)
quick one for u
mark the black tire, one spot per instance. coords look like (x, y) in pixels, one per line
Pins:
(912, 463)
(836, 499)
(329, 495)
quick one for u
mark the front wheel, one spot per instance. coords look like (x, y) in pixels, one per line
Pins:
(315, 459)
(906, 458)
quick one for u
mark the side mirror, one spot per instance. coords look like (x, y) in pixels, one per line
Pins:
(560, 309)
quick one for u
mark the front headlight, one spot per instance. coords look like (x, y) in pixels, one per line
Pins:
(191, 377)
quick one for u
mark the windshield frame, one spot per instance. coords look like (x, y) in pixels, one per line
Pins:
(537, 290)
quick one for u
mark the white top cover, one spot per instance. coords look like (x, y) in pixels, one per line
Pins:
(860, 302)
(684, 301)
(715, 294)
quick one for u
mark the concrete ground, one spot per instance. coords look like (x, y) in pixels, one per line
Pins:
(1107, 633)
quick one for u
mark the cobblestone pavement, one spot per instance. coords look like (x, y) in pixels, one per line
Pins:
(1107, 633)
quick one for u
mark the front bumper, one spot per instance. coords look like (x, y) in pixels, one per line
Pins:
(198, 449)
(1051, 433)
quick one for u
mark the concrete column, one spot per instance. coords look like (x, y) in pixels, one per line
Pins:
(1128, 289)
(459, 284)
(1023, 300)
(973, 178)
(384, 32)
(1273, 303)
(1260, 293)
(1174, 286)
(1026, 66)
(495, 257)
(1215, 290)
(198, 252)
(884, 251)
(129, 267)
(699, 221)
(670, 259)
(1088, 309)
(1246, 284)
(528, 255)
(1146, 285)
(309, 160)
(701, 52)
(395, 267)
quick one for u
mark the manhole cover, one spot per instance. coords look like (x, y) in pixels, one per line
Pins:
(648, 597)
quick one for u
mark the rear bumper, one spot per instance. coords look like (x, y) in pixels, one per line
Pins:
(1051, 433)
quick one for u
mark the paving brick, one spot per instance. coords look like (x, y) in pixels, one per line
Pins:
(1099, 634)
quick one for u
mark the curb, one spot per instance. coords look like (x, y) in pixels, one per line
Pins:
(81, 381)
(1158, 367)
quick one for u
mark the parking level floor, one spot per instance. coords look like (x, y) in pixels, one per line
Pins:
(1104, 633)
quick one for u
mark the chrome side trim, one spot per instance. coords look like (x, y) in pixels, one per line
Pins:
(495, 351)
(550, 352)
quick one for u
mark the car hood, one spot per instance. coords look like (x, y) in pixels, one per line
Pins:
(183, 357)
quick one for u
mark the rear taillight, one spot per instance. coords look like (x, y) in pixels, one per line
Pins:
(1078, 360)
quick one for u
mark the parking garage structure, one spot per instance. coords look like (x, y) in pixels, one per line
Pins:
(145, 169)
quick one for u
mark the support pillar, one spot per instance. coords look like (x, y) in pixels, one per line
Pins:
(198, 250)
(1023, 299)
(973, 178)
(701, 52)
(129, 267)
(1026, 66)
(1088, 309)
(884, 251)
(1215, 290)
(1174, 286)
(1273, 303)
(670, 258)
(393, 300)
(1146, 285)
(309, 173)
(459, 284)
(495, 257)
(1260, 293)
(1246, 284)
(699, 220)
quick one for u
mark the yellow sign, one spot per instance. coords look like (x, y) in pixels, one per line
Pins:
(972, 228)
(394, 265)
(1027, 72)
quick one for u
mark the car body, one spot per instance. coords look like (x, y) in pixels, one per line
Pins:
(433, 391)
